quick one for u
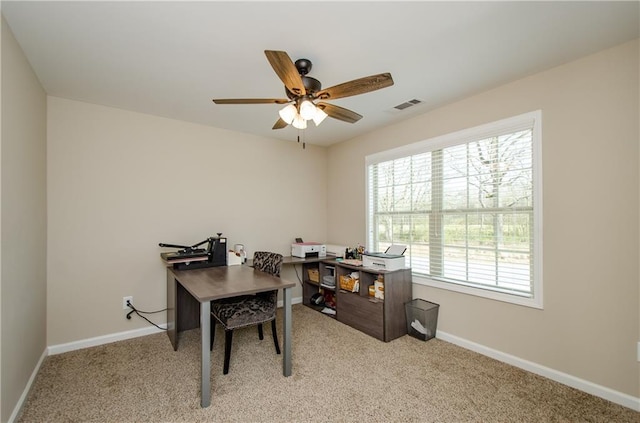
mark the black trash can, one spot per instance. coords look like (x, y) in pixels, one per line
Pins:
(422, 318)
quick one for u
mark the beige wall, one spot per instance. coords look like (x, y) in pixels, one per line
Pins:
(590, 324)
(121, 182)
(23, 220)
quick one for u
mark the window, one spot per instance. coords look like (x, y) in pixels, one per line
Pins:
(468, 207)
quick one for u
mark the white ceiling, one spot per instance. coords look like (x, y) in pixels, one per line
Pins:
(171, 58)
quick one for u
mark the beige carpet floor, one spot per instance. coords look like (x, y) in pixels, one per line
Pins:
(339, 375)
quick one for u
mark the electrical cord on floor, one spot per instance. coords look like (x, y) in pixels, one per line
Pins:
(140, 312)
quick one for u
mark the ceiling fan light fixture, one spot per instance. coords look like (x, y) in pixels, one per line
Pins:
(288, 113)
(299, 122)
(307, 109)
(319, 116)
(302, 91)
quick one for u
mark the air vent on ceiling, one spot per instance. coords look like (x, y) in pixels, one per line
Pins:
(407, 104)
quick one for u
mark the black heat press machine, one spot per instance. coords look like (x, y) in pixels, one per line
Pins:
(192, 257)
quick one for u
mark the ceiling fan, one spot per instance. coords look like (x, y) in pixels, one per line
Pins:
(305, 94)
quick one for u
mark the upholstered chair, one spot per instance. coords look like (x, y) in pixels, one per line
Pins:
(248, 310)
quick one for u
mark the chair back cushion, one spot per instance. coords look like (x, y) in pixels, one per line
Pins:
(268, 262)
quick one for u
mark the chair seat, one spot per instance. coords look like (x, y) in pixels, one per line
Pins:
(245, 310)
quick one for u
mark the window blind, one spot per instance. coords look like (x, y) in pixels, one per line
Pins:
(463, 205)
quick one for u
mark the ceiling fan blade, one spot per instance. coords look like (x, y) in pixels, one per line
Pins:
(250, 100)
(280, 124)
(286, 71)
(357, 86)
(339, 113)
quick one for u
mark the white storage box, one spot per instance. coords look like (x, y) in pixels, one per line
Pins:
(233, 259)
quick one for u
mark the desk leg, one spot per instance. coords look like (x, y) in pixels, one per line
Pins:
(205, 329)
(172, 310)
(286, 321)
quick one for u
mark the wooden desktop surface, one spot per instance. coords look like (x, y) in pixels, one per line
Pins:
(214, 283)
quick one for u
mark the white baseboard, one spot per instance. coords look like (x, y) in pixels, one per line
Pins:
(120, 336)
(566, 379)
(297, 300)
(27, 388)
(101, 340)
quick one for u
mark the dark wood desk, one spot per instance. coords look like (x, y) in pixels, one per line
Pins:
(384, 319)
(189, 296)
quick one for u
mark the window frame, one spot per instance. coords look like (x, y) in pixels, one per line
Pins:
(531, 120)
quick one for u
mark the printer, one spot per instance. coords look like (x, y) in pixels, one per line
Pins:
(392, 259)
(383, 261)
(308, 249)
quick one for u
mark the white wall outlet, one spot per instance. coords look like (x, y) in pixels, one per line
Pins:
(124, 302)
